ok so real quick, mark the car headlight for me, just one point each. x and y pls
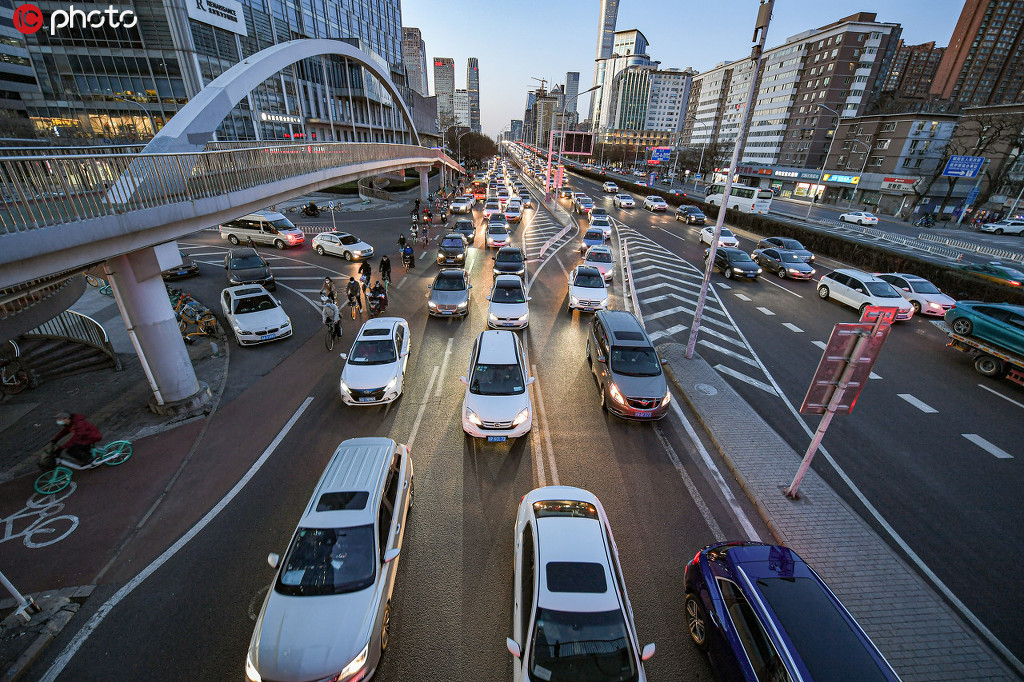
(521, 417)
(667, 398)
(473, 419)
(431, 305)
(604, 301)
(459, 256)
(933, 304)
(573, 300)
(759, 271)
(463, 304)
(524, 317)
(616, 396)
(492, 317)
(250, 669)
(344, 386)
(354, 666)
(239, 330)
(391, 384)
(234, 281)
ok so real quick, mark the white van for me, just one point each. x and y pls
(263, 227)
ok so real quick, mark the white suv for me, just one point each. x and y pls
(571, 617)
(859, 289)
(610, 187)
(497, 403)
(328, 612)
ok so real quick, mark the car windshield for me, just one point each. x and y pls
(496, 228)
(373, 352)
(463, 225)
(247, 262)
(451, 243)
(881, 289)
(738, 257)
(253, 304)
(328, 561)
(497, 380)
(581, 647)
(589, 280)
(508, 294)
(624, 196)
(599, 257)
(450, 283)
(491, 204)
(635, 362)
(789, 257)
(282, 224)
(509, 257)
(726, 232)
(349, 239)
(923, 286)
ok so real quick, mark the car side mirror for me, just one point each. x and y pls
(663, 361)
(529, 298)
(470, 286)
(600, 358)
(273, 559)
(513, 647)
(530, 380)
(464, 381)
(647, 652)
(343, 356)
(391, 555)
(860, 291)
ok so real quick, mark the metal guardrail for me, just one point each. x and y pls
(969, 246)
(17, 299)
(41, 191)
(627, 269)
(908, 242)
(73, 326)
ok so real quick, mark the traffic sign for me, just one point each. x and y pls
(972, 196)
(651, 178)
(837, 358)
(963, 166)
(330, 205)
(661, 154)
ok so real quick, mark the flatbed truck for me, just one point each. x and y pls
(989, 359)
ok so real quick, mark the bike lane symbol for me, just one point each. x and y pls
(49, 525)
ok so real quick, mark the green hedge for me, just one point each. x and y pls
(868, 257)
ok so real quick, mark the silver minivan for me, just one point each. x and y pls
(626, 367)
(263, 227)
(328, 612)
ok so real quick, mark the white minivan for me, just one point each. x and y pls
(263, 227)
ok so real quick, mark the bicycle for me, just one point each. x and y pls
(352, 306)
(95, 283)
(14, 378)
(59, 477)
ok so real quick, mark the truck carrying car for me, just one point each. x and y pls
(989, 359)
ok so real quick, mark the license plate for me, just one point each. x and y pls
(366, 399)
(643, 414)
(447, 312)
(497, 439)
(182, 272)
(267, 336)
(508, 324)
(588, 310)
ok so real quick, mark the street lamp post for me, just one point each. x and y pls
(867, 155)
(810, 203)
(561, 141)
(152, 124)
(702, 148)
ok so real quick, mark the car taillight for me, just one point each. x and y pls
(696, 557)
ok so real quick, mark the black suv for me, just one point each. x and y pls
(466, 228)
(734, 263)
(510, 260)
(691, 215)
(452, 250)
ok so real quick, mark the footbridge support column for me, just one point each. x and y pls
(149, 318)
(424, 187)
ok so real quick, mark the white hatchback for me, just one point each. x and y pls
(726, 238)
(497, 404)
(926, 298)
(509, 307)
(859, 289)
(571, 616)
(374, 372)
(254, 315)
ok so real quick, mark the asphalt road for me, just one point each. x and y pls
(910, 447)
(193, 617)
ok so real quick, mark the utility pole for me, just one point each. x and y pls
(764, 18)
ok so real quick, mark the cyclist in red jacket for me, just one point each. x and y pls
(75, 438)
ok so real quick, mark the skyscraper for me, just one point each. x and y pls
(462, 104)
(572, 90)
(473, 88)
(630, 50)
(444, 88)
(984, 62)
(605, 38)
(913, 69)
(414, 56)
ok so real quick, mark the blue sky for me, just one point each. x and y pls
(547, 38)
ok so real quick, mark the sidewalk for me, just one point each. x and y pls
(921, 636)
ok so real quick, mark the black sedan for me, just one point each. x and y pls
(691, 215)
(466, 229)
(188, 268)
(789, 245)
(734, 263)
(246, 266)
(783, 263)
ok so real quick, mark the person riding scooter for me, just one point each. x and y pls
(311, 210)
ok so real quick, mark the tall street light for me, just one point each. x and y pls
(144, 110)
(561, 140)
(867, 155)
(810, 203)
(702, 148)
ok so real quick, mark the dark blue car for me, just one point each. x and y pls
(761, 613)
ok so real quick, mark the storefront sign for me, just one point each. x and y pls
(899, 184)
(280, 118)
(846, 179)
(225, 14)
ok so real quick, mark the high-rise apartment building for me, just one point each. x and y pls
(984, 62)
(414, 56)
(912, 71)
(629, 49)
(572, 90)
(605, 39)
(444, 88)
(515, 130)
(666, 103)
(462, 110)
(473, 87)
(120, 83)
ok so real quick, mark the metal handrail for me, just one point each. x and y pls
(74, 326)
(41, 191)
(20, 298)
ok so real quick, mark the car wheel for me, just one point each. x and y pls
(696, 621)
(999, 230)
(728, 273)
(320, 250)
(348, 255)
(963, 326)
(916, 306)
(863, 307)
(279, 244)
(823, 293)
(989, 366)
(781, 272)
(604, 399)
(233, 239)
(589, 361)
(385, 627)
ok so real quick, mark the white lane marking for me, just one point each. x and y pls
(745, 379)
(820, 344)
(206, 253)
(723, 285)
(776, 284)
(295, 267)
(742, 297)
(765, 311)
(994, 450)
(748, 528)
(698, 499)
(792, 327)
(315, 305)
(544, 427)
(422, 255)
(444, 367)
(873, 376)
(924, 407)
(400, 283)
(296, 278)
(720, 335)
(538, 453)
(78, 640)
(1001, 395)
(667, 312)
(726, 351)
(423, 407)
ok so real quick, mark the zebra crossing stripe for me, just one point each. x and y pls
(730, 353)
(745, 379)
(671, 331)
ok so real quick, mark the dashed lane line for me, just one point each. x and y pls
(873, 376)
(792, 327)
(742, 297)
(726, 351)
(988, 447)
(994, 392)
(766, 311)
(698, 499)
(921, 405)
(444, 366)
(820, 344)
(546, 432)
(423, 408)
(776, 284)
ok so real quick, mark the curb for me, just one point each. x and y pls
(59, 607)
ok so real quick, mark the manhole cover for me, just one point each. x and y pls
(706, 389)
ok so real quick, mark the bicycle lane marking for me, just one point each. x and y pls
(46, 508)
(97, 618)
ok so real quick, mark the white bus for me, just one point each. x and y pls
(741, 197)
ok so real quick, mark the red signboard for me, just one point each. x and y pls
(837, 358)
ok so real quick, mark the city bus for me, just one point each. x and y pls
(741, 198)
(479, 189)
